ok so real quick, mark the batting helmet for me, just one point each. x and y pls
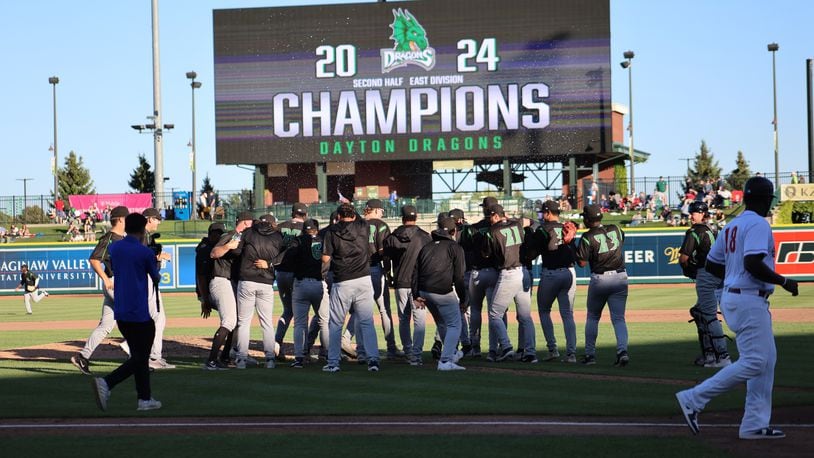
(758, 187)
(699, 207)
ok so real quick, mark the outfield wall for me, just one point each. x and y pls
(650, 256)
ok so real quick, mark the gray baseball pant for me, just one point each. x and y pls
(356, 293)
(559, 284)
(707, 288)
(37, 295)
(449, 311)
(510, 286)
(481, 284)
(285, 286)
(610, 288)
(223, 291)
(159, 316)
(381, 294)
(106, 324)
(406, 312)
(308, 293)
(250, 296)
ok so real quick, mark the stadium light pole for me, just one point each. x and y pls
(628, 64)
(773, 48)
(53, 81)
(25, 196)
(194, 85)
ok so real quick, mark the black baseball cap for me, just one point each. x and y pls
(268, 218)
(215, 228)
(447, 223)
(374, 203)
(488, 202)
(299, 208)
(310, 224)
(152, 213)
(245, 216)
(119, 212)
(456, 213)
(408, 211)
(495, 209)
(551, 206)
(592, 213)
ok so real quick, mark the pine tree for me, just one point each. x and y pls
(706, 167)
(738, 177)
(142, 179)
(207, 185)
(74, 178)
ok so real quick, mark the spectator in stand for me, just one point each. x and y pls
(794, 179)
(604, 203)
(687, 185)
(801, 178)
(24, 232)
(59, 205)
(661, 190)
(726, 197)
(593, 193)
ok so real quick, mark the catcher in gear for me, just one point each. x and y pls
(31, 282)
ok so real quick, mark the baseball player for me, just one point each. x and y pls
(693, 255)
(558, 279)
(402, 248)
(460, 223)
(100, 263)
(483, 277)
(503, 243)
(347, 250)
(261, 247)
(157, 361)
(285, 273)
(223, 290)
(310, 289)
(438, 268)
(743, 255)
(31, 283)
(601, 247)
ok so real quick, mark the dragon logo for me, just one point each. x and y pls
(411, 45)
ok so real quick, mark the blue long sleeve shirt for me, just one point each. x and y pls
(132, 262)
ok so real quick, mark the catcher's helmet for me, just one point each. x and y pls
(699, 207)
(758, 187)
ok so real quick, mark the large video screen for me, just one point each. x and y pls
(419, 80)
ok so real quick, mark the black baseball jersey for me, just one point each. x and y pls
(698, 241)
(260, 242)
(346, 242)
(601, 247)
(28, 280)
(289, 230)
(100, 252)
(439, 267)
(529, 250)
(473, 240)
(555, 253)
(503, 243)
(378, 232)
(228, 265)
(402, 248)
(305, 254)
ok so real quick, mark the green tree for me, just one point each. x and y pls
(706, 167)
(620, 178)
(33, 215)
(207, 185)
(74, 178)
(142, 179)
(738, 177)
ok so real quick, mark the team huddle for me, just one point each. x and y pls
(344, 272)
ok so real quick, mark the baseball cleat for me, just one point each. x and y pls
(690, 414)
(765, 433)
(297, 364)
(491, 356)
(395, 355)
(160, 364)
(330, 368)
(149, 404)
(530, 359)
(240, 363)
(588, 360)
(101, 392)
(416, 361)
(449, 366)
(723, 361)
(622, 359)
(457, 356)
(270, 363)
(507, 353)
(216, 366)
(81, 363)
(373, 366)
(571, 358)
(552, 355)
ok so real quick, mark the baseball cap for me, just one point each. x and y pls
(374, 203)
(592, 212)
(488, 202)
(152, 213)
(495, 209)
(216, 227)
(299, 209)
(408, 211)
(456, 213)
(245, 216)
(119, 212)
(551, 206)
(447, 223)
(268, 218)
(309, 225)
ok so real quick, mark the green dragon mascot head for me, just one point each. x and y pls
(407, 32)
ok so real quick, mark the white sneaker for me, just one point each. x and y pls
(723, 361)
(101, 391)
(450, 366)
(125, 347)
(457, 356)
(150, 404)
(159, 364)
(240, 363)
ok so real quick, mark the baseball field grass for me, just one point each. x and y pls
(662, 347)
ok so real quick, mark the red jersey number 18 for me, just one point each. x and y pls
(729, 238)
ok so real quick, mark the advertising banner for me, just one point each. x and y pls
(133, 202)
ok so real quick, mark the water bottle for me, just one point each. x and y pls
(236, 237)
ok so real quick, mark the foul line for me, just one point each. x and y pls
(370, 423)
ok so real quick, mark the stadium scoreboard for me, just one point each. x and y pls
(419, 80)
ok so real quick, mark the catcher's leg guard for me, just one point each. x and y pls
(704, 338)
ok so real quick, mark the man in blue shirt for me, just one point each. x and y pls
(132, 262)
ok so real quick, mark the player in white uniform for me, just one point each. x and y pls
(743, 255)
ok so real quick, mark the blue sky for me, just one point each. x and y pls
(701, 71)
